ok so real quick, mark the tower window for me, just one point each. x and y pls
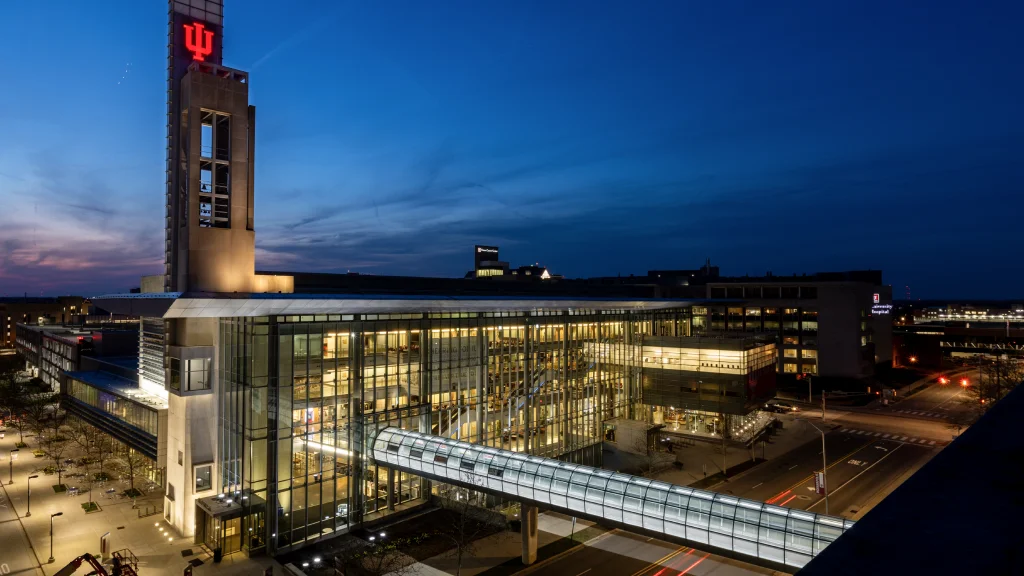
(214, 170)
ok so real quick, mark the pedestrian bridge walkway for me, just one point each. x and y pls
(749, 530)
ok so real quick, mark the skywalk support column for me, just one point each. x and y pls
(529, 531)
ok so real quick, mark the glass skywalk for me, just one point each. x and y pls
(739, 527)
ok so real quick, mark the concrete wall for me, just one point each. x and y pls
(152, 284)
(218, 259)
(192, 427)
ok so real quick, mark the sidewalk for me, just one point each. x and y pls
(695, 458)
(75, 532)
(497, 549)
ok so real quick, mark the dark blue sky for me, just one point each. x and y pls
(595, 138)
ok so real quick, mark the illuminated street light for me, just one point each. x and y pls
(51, 533)
(28, 500)
(965, 382)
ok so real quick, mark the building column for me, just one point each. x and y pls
(391, 490)
(528, 530)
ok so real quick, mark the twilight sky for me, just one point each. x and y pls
(593, 137)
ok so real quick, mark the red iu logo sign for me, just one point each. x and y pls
(199, 41)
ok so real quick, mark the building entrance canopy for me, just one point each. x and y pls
(750, 530)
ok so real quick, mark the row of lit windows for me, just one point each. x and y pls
(794, 368)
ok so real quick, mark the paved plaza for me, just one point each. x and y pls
(26, 539)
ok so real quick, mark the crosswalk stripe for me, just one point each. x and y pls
(931, 442)
(878, 434)
(861, 432)
(903, 439)
(887, 435)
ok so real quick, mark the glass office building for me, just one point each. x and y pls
(296, 392)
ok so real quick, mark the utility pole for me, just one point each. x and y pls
(824, 464)
(810, 395)
(823, 406)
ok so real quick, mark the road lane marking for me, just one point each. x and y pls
(801, 483)
(931, 442)
(584, 572)
(694, 565)
(759, 483)
(683, 558)
(793, 466)
(658, 562)
(841, 486)
(887, 435)
(903, 439)
(877, 434)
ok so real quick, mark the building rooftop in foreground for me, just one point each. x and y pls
(959, 514)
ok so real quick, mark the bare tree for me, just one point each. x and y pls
(997, 378)
(132, 463)
(466, 518)
(378, 558)
(104, 448)
(55, 445)
(43, 413)
(14, 400)
(89, 439)
(648, 458)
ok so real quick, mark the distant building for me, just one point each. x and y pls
(932, 333)
(52, 350)
(26, 310)
(833, 324)
(487, 265)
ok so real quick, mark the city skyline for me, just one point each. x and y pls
(822, 139)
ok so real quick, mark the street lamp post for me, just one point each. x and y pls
(824, 464)
(28, 497)
(51, 533)
(14, 456)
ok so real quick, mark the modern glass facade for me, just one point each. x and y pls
(130, 412)
(297, 391)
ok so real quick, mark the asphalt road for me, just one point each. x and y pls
(626, 554)
(937, 401)
(858, 468)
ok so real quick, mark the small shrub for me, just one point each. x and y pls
(133, 493)
(90, 507)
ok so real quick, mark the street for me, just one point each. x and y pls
(940, 401)
(859, 466)
(621, 552)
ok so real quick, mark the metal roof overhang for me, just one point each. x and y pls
(175, 305)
